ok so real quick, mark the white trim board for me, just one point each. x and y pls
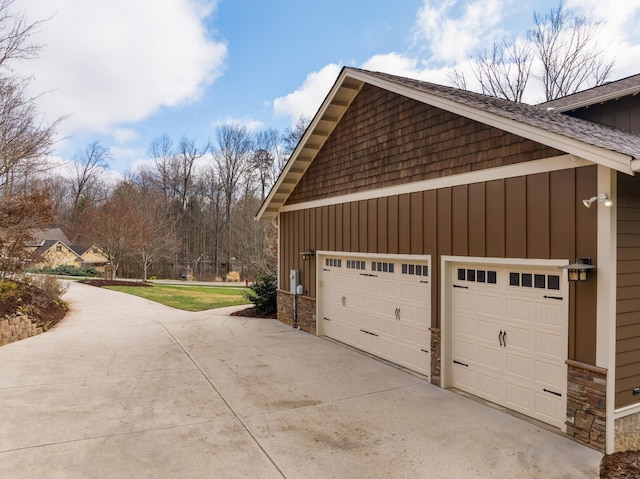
(545, 165)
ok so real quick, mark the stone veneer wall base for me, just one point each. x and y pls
(305, 311)
(586, 404)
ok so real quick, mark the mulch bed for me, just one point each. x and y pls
(107, 282)
(621, 465)
(252, 313)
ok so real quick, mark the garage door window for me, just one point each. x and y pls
(415, 269)
(356, 264)
(477, 275)
(539, 281)
(382, 267)
(334, 262)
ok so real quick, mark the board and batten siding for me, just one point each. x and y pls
(622, 113)
(628, 291)
(537, 216)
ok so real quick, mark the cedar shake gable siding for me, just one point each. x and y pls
(386, 139)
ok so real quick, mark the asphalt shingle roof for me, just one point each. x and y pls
(621, 141)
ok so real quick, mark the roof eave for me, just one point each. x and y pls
(320, 128)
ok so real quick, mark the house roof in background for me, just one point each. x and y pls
(599, 94)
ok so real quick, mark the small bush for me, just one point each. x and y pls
(233, 276)
(50, 289)
(67, 270)
(263, 293)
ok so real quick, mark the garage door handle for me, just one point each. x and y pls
(462, 287)
(552, 392)
(504, 338)
(559, 298)
(500, 337)
(344, 301)
(461, 364)
(398, 314)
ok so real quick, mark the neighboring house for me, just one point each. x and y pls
(54, 249)
(433, 227)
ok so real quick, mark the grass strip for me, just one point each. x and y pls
(188, 298)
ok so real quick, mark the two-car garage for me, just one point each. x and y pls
(504, 327)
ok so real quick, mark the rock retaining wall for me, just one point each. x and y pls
(16, 328)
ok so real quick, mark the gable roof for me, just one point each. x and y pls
(50, 234)
(48, 244)
(594, 142)
(599, 94)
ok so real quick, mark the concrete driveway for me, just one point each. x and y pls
(125, 388)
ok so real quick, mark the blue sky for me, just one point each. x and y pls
(126, 71)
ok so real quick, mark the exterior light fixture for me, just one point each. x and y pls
(308, 254)
(602, 198)
(578, 270)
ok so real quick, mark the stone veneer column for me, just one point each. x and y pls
(435, 356)
(586, 404)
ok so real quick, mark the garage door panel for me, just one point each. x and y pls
(519, 398)
(550, 374)
(465, 301)
(487, 331)
(489, 386)
(519, 339)
(491, 306)
(549, 408)
(490, 358)
(465, 351)
(549, 344)
(466, 326)
(465, 377)
(550, 315)
(520, 310)
(520, 366)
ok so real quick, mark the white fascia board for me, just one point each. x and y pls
(608, 158)
(301, 145)
(599, 99)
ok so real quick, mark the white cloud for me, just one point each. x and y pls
(452, 29)
(308, 98)
(248, 123)
(402, 65)
(123, 135)
(119, 60)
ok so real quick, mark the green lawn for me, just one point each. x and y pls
(188, 298)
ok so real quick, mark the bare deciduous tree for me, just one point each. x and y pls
(565, 43)
(234, 150)
(561, 52)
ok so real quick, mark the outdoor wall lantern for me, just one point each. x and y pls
(578, 270)
(307, 254)
(602, 198)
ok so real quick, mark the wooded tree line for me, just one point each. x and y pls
(190, 209)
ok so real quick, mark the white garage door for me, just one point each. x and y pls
(509, 333)
(382, 306)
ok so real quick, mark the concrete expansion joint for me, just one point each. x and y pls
(224, 400)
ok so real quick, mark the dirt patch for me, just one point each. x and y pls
(252, 313)
(621, 465)
(108, 282)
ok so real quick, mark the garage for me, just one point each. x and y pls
(509, 337)
(381, 305)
